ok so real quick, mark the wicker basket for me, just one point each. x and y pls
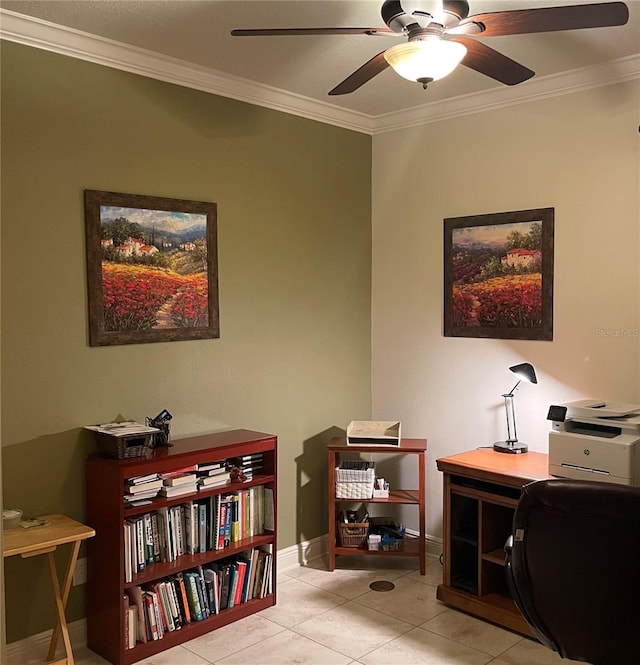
(123, 447)
(355, 483)
(353, 534)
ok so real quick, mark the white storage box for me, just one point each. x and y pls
(375, 433)
(354, 483)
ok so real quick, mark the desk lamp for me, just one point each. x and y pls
(524, 372)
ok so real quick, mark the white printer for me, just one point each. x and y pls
(595, 440)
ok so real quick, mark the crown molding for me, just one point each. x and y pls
(62, 40)
(543, 87)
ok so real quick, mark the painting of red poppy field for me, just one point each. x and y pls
(152, 269)
(499, 275)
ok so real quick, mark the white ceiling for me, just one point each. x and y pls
(197, 33)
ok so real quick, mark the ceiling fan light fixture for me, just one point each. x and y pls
(427, 59)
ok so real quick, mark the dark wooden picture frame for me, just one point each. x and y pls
(152, 268)
(498, 275)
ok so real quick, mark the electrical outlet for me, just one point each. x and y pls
(80, 573)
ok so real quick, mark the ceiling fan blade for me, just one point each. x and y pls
(551, 19)
(487, 61)
(280, 32)
(365, 73)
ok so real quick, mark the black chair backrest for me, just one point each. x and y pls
(573, 567)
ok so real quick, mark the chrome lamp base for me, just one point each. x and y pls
(513, 447)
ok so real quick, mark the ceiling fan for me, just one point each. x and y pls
(438, 40)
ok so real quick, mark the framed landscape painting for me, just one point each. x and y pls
(152, 269)
(498, 275)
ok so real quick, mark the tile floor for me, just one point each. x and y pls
(325, 618)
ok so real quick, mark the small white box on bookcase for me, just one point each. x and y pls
(373, 433)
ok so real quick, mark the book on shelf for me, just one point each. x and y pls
(136, 600)
(207, 466)
(221, 470)
(132, 627)
(269, 516)
(136, 480)
(214, 481)
(144, 487)
(128, 565)
(130, 502)
(225, 580)
(241, 570)
(179, 479)
(183, 601)
(179, 490)
(137, 543)
(202, 592)
(125, 621)
(150, 617)
(192, 596)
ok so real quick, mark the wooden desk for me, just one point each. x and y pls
(481, 491)
(61, 530)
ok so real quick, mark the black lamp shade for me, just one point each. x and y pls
(525, 372)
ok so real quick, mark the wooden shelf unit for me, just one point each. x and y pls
(414, 547)
(106, 513)
(481, 491)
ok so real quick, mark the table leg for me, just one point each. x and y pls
(61, 603)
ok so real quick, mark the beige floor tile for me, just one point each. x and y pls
(298, 602)
(285, 648)
(473, 632)
(234, 637)
(420, 647)
(529, 652)
(174, 656)
(352, 629)
(408, 601)
(347, 583)
(432, 574)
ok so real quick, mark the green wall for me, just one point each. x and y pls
(294, 244)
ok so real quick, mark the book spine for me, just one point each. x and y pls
(155, 537)
(202, 527)
(193, 597)
(234, 532)
(152, 624)
(174, 606)
(148, 539)
(202, 593)
(183, 599)
(140, 544)
(125, 618)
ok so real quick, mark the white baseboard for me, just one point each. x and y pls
(34, 649)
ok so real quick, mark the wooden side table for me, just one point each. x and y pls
(60, 530)
(415, 547)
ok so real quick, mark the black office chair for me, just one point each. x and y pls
(573, 568)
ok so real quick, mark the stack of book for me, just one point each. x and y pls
(139, 490)
(178, 483)
(213, 474)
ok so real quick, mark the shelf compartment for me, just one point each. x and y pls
(197, 628)
(395, 496)
(156, 571)
(230, 488)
